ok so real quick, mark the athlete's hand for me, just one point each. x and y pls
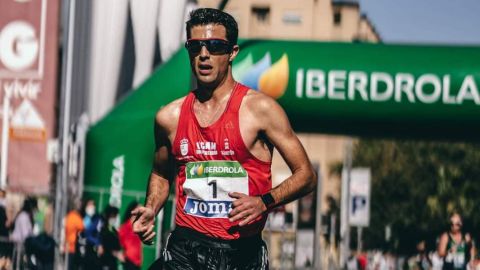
(143, 224)
(246, 208)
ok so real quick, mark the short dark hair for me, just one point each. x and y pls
(110, 211)
(204, 16)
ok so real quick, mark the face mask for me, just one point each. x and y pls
(2, 202)
(90, 210)
(114, 222)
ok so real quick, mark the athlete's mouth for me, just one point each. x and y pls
(204, 67)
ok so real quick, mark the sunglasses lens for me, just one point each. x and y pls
(194, 46)
(217, 46)
(214, 46)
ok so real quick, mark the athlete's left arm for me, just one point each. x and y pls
(276, 127)
(473, 248)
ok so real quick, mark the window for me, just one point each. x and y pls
(290, 17)
(261, 14)
(337, 17)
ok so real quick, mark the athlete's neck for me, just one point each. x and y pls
(205, 93)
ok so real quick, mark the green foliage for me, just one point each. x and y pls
(415, 185)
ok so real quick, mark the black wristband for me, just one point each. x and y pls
(268, 200)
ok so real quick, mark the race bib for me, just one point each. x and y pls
(207, 185)
(459, 260)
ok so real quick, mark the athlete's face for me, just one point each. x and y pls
(212, 66)
(455, 223)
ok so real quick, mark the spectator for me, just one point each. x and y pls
(112, 252)
(89, 246)
(23, 224)
(130, 241)
(352, 262)
(40, 252)
(5, 246)
(422, 260)
(73, 226)
(88, 212)
(362, 261)
(23, 228)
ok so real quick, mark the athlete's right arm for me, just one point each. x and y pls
(158, 184)
(442, 245)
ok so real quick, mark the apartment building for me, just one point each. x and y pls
(323, 20)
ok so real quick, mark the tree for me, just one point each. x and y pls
(415, 185)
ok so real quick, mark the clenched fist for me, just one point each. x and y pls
(144, 223)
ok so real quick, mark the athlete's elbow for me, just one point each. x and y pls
(311, 180)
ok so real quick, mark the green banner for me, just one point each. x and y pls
(374, 89)
(368, 89)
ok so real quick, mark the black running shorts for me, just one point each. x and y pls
(187, 249)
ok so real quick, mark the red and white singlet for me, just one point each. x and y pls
(211, 162)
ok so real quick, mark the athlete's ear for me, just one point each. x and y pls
(234, 53)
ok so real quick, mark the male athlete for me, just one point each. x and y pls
(217, 144)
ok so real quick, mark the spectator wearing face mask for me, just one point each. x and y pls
(89, 246)
(88, 212)
(112, 251)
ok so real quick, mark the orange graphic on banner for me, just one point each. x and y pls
(27, 124)
(28, 134)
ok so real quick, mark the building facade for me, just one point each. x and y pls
(322, 20)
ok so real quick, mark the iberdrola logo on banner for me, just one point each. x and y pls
(271, 79)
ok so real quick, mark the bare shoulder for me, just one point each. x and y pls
(168, 115)
(444, 236)
(260, 103)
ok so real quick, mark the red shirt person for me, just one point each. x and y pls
(130, 241)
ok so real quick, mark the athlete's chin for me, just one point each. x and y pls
(207, 80)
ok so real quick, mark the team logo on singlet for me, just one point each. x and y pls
(184, 147)
(226, 149)
(206, 148)
(207, 184)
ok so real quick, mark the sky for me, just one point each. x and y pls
(425, 21)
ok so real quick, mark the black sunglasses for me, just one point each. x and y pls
(214, 46)
(456, 223)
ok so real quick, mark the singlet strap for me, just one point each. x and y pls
(185, 117)
(187, 104)
(451, 240)
(236, 100)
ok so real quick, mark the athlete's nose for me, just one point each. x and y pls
(204, 52)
